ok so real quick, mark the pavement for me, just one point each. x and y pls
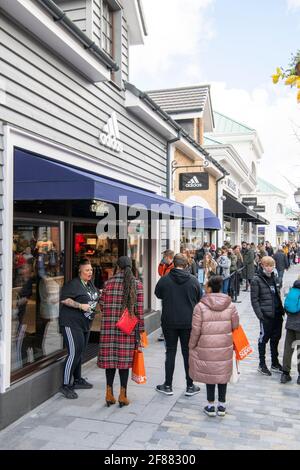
(262, 413)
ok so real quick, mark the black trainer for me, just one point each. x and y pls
(298, 380)
(221, 411)
(165, 389)
(285, 378)
(81, 384)
(161, 337)
(264, 370)
(277, 368)
(210, 411)
(68, 392)
(191, 391)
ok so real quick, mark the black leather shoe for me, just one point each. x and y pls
(68, 392)
(81, 384)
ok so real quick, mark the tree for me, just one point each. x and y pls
(291, 75)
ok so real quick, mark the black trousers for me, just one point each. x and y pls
(76, 342)
(292, 340)
(171, 340)
(270, 330)
(211, 389)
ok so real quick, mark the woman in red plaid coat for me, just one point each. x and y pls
(116, 348)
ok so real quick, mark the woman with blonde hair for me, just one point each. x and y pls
(192, 266)
(210, 267)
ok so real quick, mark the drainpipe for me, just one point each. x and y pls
(217, 200)
(169, 176)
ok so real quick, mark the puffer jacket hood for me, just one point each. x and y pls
(180, 276)
(216, 302)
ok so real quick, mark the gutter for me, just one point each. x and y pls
(60, 16)
(166, 117)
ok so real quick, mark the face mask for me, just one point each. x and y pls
(267, 273)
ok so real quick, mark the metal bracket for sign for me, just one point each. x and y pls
(174, 167)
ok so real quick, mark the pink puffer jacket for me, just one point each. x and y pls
(211, 346)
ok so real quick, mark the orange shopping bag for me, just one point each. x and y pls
(241, 344)
(138, 368)
(144, 340)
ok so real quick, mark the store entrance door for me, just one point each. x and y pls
(103, 252)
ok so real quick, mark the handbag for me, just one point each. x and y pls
(138, 373)
(241, 344)
(127, 322)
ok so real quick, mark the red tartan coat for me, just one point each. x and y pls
(116, 348)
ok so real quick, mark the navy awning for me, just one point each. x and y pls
(211, 222)
(39, 178)
(281, 228)
(292, 229)
(261, 230)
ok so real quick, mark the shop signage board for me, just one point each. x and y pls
(249, 201)
(193, 181)
(259, 209)
(110, 134)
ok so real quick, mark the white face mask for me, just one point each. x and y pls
(268, 274)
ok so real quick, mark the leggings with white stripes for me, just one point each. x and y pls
(76, 342)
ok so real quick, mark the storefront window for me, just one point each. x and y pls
(137, 249)
(229, 235)
(38, 275)
(194, 239)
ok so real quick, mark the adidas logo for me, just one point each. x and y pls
(110, 135)
(194, 183)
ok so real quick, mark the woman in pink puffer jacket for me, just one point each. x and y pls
(211, 345)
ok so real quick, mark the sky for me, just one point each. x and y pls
(235, 46)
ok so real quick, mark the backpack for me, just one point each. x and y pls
(292, 301)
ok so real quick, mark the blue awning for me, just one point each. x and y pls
(38, 178)
(211, 222)
(292, 229)
(281, 228)
(261, 230)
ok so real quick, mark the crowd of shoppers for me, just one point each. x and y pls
(196, 290)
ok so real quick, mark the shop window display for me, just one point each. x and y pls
(38, 275)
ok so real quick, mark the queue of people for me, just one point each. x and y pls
(196, 310)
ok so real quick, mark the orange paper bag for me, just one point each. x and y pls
(144, 340)
(241, 344)
(138, 368)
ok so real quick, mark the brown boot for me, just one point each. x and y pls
(123, 400)
(110, 399)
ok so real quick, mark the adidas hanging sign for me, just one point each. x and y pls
(193, 182)
(110, 135)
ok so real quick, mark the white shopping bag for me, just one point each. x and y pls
(235, 377)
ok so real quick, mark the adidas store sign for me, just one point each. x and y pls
(110, 135)
(194, 182)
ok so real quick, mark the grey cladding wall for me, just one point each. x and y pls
(48, 98)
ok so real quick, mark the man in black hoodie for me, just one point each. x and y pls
(180, 292)
(267, 305)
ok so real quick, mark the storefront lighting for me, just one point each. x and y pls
(99, 207)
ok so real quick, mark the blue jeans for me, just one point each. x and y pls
(226, 285)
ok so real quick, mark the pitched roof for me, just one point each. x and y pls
(179, 100)
(226, 125)
(265, 187)
(209, 141)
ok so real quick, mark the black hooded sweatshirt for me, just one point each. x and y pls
(180, 292)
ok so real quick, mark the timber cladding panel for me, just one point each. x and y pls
(181, 196)
(47, 97)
